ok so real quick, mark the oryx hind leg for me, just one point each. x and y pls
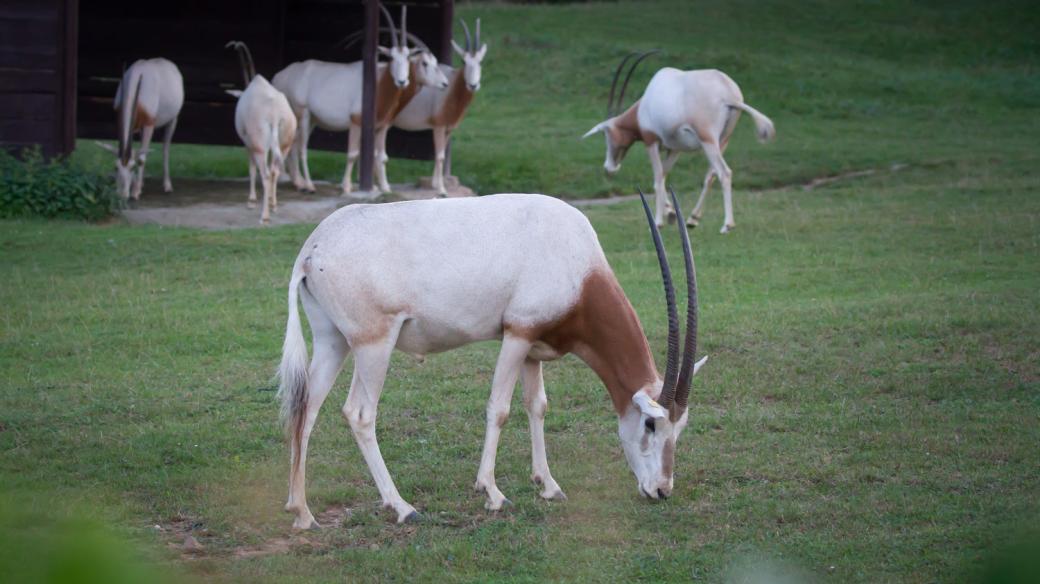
(330, 349)
(536, 403)
(371, 361)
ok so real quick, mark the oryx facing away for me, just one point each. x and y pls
(681, 111)
(526, 269)
(266, 124)
(149, 96)
(441, 110)
(328, 96)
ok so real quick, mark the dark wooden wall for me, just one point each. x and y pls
(38, 74)
(192, 34)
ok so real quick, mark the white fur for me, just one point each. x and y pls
(686, 111)
(266, 124)
(161, 97)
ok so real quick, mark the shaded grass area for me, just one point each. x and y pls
(849, 85)
(870, 411)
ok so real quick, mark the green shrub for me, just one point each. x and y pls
(56, 188)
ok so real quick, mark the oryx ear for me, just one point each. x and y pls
(384, 51)
(457, 48)
(600, 127)
(108, 147)
(233, 92)
(483, 51)
(415, 51)
(697, 365)
(648, 406)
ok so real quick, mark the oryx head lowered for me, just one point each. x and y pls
(471, 57)
(650, 429)
(126, 159)
(619, 138)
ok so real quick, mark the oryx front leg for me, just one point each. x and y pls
(440, 145)
(722, 170)
(353, 151)
(380, 159)
(330, 349)
(167, 138)
(142, 158)
(663, 208)
(252, 182)
(510, 359)
(535, 403)
(698, 209)
(304, 131)
(370, 364)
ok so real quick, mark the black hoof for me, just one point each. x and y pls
(506, 503)
(412, 517)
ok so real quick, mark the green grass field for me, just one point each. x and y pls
(870, 411)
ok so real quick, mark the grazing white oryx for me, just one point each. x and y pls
(150, 96)
(526, 269)
(442, 110)
(329, 95)
(266, 124)
(680, 111)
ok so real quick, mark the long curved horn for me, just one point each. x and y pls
(353, 38)
(245, 60)
(476, 38)
(671, 369)
(469, 41)
(613, 84)
(631, 70)
(404, 25)
(682, 385)
(390, 21)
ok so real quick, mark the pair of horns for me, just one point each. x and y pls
(128, 118)
(393, 30)
(245, 59)
(353, 38)
(614, 109)
(471, 46)
(676, 387)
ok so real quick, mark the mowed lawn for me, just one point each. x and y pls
(870, 411)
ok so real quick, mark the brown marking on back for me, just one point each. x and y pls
(603, 330)
(455, 103)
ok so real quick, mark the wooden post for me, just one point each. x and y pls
(446, 56)
(368, 97)
(69, 61)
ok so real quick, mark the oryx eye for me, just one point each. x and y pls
(651, 426)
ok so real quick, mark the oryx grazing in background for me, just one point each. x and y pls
(328, 95)
(149, 96)
(526, 269)
(680, 111)
(441, 110)
(266, 124)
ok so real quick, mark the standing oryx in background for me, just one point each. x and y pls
(266, 124)
(150, 96)
(369, 287)
(681, 111)
(329, 95)
(442, 110)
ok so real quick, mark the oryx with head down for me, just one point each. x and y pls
(680, 111)
(328, 96)
(526, 269)
(149, 96)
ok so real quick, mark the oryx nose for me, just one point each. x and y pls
(663, 492)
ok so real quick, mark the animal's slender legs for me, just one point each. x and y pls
(252, 182)
(306, 129)
(353, 151)
(722, 170)
(167, 138)
(510, 359)
(275, 172)
(535, 403)
(654, 152)
(695, 215)
(330, 349)
(142, 157)
(260, 160)
(380, 159)
(440, 142)
(370, 364)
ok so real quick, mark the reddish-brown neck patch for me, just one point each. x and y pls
(455, 103)
(407, 93)
(388, 95)
(625, 130)
(604, 331)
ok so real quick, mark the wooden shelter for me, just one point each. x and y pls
(61, 60)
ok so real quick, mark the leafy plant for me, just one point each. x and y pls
(55, 188)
